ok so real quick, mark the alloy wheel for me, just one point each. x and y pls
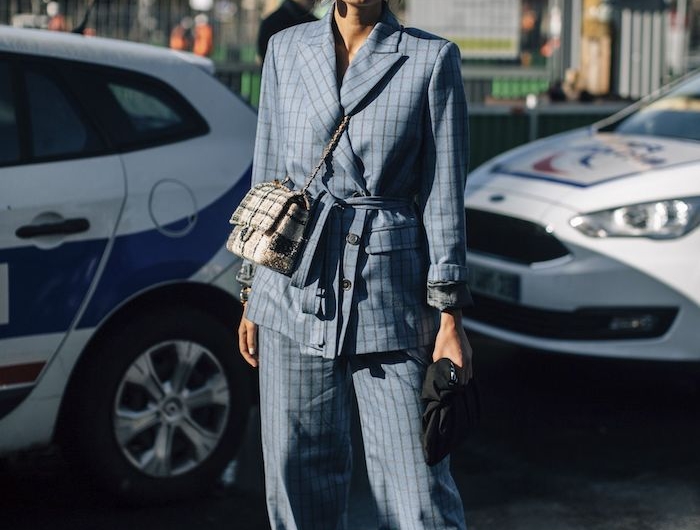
(171, 408)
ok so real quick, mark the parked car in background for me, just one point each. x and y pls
(119, 166)
(588, 242)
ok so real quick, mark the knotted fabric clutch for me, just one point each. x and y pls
(452, 410)
(270, 222)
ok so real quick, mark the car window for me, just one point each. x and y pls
(135, 110)
(675, 115)
(9, 134)
(57, 129)
(147, 112)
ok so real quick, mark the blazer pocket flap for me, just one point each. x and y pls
(392, 238)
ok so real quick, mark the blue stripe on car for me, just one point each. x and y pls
(47, 286)
(140, 260)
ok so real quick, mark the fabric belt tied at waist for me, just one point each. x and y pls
(314, 249)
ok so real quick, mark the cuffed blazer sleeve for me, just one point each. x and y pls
(445, 159)
(268, 163)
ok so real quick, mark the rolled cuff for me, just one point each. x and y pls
(449, 295)
(447, 272)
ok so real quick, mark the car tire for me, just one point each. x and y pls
(161, 407)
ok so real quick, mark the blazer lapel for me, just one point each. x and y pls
(318, 75)
(372, 63)
(327, 104)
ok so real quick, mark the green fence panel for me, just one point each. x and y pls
(496, 129)
(243, 79)
(555, 123)
(491, 134)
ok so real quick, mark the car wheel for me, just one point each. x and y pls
(162, 407)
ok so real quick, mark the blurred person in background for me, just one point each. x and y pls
(57, 22)
(203, 36)
(290, 13)
(181, 37)
(529, 33)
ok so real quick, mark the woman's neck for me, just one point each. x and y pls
(354, 23)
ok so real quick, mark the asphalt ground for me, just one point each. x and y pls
(566, 443)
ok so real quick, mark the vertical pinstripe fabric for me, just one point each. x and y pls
(305, 404)
(304, 413)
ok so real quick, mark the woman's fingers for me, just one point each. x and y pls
(247, 341)
(452, 342)
(252, 338)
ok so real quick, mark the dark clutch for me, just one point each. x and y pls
(452, 410)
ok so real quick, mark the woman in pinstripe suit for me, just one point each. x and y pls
(379, 291)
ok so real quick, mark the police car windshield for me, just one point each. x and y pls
(675, 115)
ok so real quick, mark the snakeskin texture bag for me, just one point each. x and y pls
(270, 222)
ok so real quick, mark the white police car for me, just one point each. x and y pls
(588, 242)
(120, 164)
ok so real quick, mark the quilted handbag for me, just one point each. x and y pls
(269, 224)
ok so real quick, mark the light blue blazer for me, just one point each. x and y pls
(387, 245)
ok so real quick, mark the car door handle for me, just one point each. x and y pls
(67, 226)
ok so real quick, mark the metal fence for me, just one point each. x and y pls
(638, 56)
(640, 67)
(122, 19)
(235, 23)
(242, 78)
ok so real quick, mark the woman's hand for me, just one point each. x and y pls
(248, 340)
(451, 342)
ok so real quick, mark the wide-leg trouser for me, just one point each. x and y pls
(305, 412)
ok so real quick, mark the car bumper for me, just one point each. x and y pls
(595, 300)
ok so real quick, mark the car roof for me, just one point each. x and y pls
(98, 50)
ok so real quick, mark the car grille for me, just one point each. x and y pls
(510, 238)
(581, 324)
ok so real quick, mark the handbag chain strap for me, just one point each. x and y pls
(326, 152)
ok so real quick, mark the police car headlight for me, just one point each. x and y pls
(656, 220)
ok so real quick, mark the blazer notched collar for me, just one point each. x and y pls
(373, 62)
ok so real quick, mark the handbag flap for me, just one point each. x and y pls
(263, 204)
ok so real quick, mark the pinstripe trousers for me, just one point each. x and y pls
(305, 409)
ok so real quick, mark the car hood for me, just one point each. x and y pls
(593, 158)
(561, 169)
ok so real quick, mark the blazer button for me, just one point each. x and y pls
(353, 239)
(346, 284)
